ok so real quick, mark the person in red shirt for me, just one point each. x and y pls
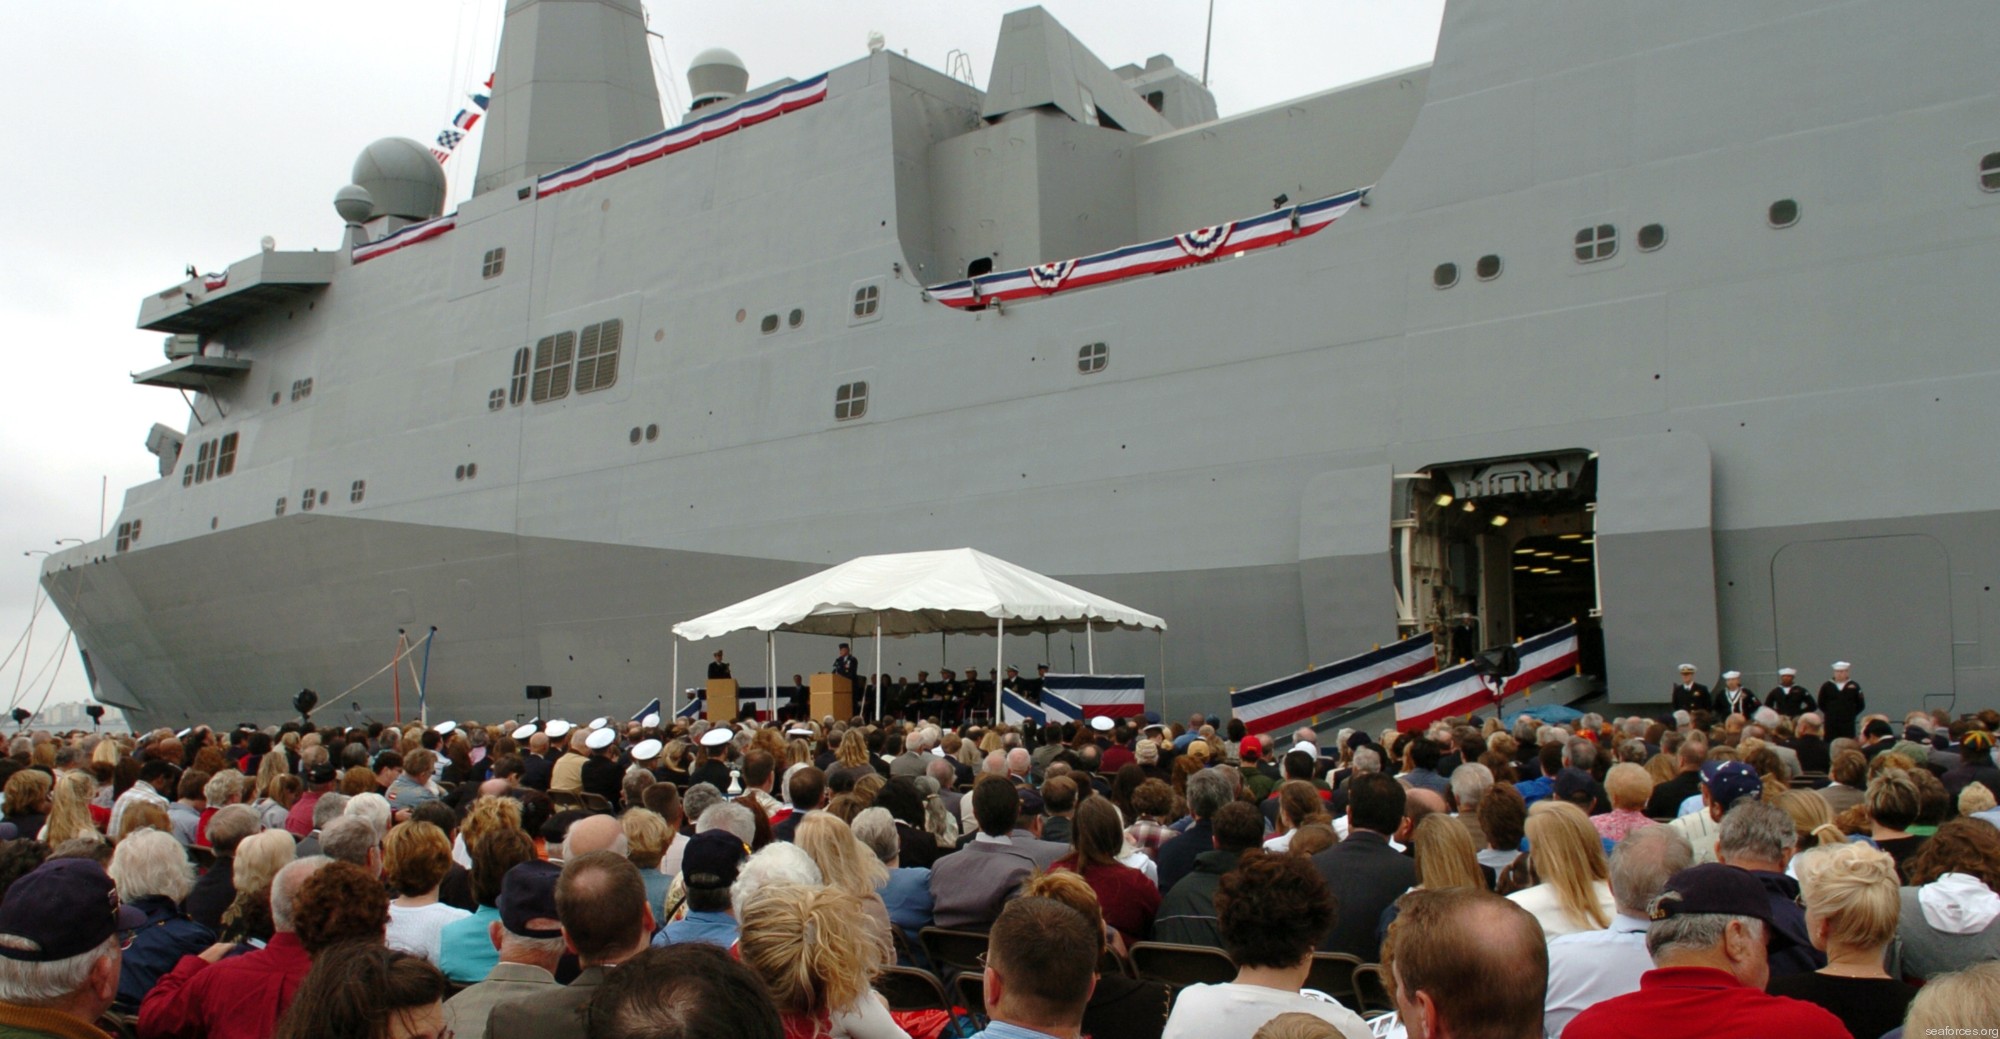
(1708, 939)
(1129, 900)
(315, 903)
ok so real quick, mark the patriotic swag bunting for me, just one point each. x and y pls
(1015, 709)
(651, 708)
(1181, 250)
(695, 708)
(1204, 242)
(1285, 701)
(1544, 657)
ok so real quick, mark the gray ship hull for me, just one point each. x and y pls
(1776, 432)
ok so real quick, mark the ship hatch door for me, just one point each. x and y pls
(1656, 559)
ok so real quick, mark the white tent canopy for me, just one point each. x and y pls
(913, 593)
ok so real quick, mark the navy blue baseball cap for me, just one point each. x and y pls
(67, 907)
(1729, 780)
(527, 894)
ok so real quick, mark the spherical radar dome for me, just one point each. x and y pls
(717, 75)
(402, 177)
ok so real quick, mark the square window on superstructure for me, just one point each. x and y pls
(850, 401)
(597, 356)
(494, 263)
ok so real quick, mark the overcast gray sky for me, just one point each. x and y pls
(145, 136)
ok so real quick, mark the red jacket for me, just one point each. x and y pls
(1129, 901)
(241, 997)
(1701, 1003)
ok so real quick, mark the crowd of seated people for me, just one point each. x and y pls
(1680, 875)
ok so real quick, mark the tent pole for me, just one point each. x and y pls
(674, 693)
(1163, 673)
(878, 666)
(999, 661)
(771, 682)
(1090, 646)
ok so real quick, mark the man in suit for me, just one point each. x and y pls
(1207, 791)
(1788, 697)
(606, 919)
(1841, 701)
(529, 937)
(718, 668)
(1732, 698)
(1810, 746)
(1364, 872)
(847, 666)
(971, 885)
(1690, 695)
(1665, 803)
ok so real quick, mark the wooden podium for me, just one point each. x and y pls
(721, 699)
(831, 694)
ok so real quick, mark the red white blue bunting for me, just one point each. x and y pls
(1182, 250)
(681, 138)
(410, 235)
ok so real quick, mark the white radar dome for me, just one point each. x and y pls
(402, 178)
(716, 75)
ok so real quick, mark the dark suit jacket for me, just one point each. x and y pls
(1175, 858)
(1366, 876)
(560, 1013)
(1686, 699)
(1667, 797)
(1813, 754)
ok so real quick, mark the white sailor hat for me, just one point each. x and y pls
(599, 723)
(525, 731)
(647, 750)
(445, 728)
(1732, 674)
(1788, 672)
(1309, 748)
(600, 739)
(715, 737)
(1687, 669)
(651, 719)
(558, 729)
(1103, 723)
(1841, 665)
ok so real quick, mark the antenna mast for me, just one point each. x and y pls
(1207, 41)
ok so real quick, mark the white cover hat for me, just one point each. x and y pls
(599, 723)
(647, 750)
(525, 731)
(1841, 665)
(600, 739)
(1103, 723)
(651, 719)
(1304, 746)
(1788, 672)
(558, 729)
(444, 728)
(1687, 667)
(715, 737)
(1732, 674)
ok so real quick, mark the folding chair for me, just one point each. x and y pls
(909, 988)
(1333, 974)
(1371, 989)
(958, 950)
(1181, 965)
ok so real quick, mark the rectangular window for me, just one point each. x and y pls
(124, 536)
(204, 462)
(552, 363)
(850, 401)
(225, 458)
(597, 356)
(493, 264)
(517, 386)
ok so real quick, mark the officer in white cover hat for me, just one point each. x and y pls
(1690, 695)
(602, 774)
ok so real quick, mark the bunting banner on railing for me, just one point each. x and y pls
(1113, 696)
(1453, 691)
(408, 236)
(1182, 250)
(1544, 657)
(1281, 702)
(685, 136)
(652, 708)
(1016, 709)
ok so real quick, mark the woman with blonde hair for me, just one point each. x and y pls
(819, 968)
(1568, 857)
(258, 859)
(850, 760)
(1893, 804)
(844, 862)
(1851, 910)
(1445, 856)
(1629, 786)
(1948, 1001)
(1812, 817)
(69, 809)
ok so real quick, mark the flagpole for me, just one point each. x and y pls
(878, 664)
(674, 693)
(999, 660)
